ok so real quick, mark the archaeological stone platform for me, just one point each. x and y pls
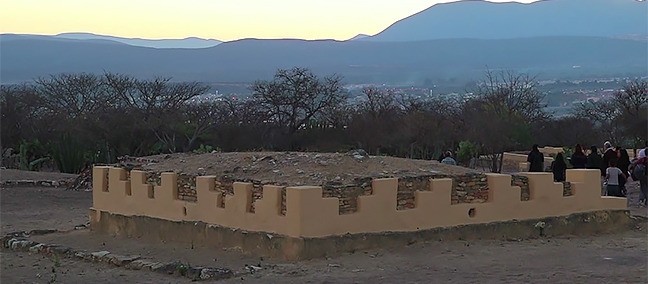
(127, 204)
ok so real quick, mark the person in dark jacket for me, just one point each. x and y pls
(623, 163)
(536, 160)
(558, 167)
(578, 159)
(623, 160)
(594, 160)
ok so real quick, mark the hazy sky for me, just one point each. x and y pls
(218, 19)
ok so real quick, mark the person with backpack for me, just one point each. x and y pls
(638, 172)
(536, 160)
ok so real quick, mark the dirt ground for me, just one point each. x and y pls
(29, 208)
(22, 267)
(9, 174)
(294, 168)
(620, 258)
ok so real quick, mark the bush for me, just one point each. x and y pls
(204, 149)
(69, 155)
(31, 155)
(466, 151)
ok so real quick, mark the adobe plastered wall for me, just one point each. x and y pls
(520, 160)
(551, 151)
(308, 214)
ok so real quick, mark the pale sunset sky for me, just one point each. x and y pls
(218, 19)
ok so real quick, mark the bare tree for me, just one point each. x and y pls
(75, 94)
(632, 104)
(603, 115)
(201, 118)
(507, 105)
(295, 96)
(622, 119)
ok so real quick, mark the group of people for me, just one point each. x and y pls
(615, 166)
(619, 170)
(614, 163)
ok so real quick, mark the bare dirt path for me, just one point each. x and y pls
(29, 208)
(10, 174)
(22, 267)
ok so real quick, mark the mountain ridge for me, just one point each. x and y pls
(489, 20)
(391, 56)
(184, 43)
(358, 61)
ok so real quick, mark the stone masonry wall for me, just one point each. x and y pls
(469, 188)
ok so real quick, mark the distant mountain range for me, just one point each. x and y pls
(456, 41)
(486, 20)
(190, 42)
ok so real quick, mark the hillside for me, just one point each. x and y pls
(24, 59)
(487, 20)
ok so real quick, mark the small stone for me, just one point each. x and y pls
(154, 266)
(215, 273)
(58, 249)
(82, 255)
(27, 244)
(37, 248)
(100, 254)
(193, 273)
(167, 268)
(141, 264)
(121, 260)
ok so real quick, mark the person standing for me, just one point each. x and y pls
(578, 159)
(623, 163)
(559, 167)
(642, 152)
(640, 172)
(536, 160)
(594, 160)
(608, 155)
(612, 178)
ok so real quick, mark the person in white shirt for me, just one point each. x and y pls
(612, 176)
